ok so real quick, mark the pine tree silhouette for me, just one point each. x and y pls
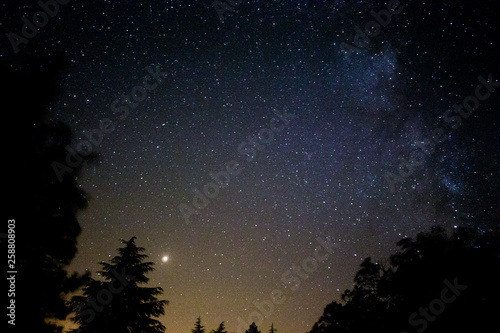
(198, 328)
(119, 304)
(253, 329)
(272, 329)
(220, 329)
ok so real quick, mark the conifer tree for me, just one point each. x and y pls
(119, 303)
(198, 328)
(220, 329)
(253, 329)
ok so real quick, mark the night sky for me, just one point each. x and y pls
(328, 136)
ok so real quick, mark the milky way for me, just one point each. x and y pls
(196, 101)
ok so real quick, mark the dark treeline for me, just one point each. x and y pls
(44, 209)
(437, 282)
(199, 328)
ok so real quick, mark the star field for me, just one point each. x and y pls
(354, 118)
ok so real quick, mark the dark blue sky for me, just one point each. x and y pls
(361, 121)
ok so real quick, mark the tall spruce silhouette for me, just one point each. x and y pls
(198, 328)
(120, 304)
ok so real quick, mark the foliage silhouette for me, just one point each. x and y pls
(253, 329)
(395, 298)
(220, 329)
(119, 304)
(198, 328)
(44, 208)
